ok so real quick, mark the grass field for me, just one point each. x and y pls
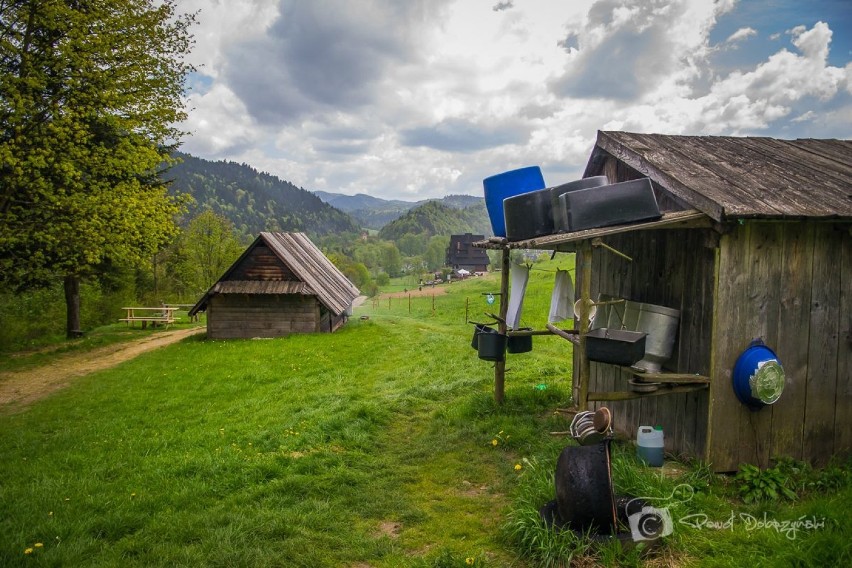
(379, 445)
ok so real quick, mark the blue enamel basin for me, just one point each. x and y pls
(758, 376)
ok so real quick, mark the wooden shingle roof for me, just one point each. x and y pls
(316, 274)
(730, 177)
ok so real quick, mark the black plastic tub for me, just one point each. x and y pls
(519, 343)
(480, 328)
(616, 346)
(560, 215)
(492, 346)
(528, 215)
(615, 204)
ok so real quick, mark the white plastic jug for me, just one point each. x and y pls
(650, 444)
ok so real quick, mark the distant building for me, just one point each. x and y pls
(461, 254)
(281, 284)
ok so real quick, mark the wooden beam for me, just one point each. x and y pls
(500, 366)
(585, 306)
(629, 395)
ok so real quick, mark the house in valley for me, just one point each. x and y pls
(462, 255)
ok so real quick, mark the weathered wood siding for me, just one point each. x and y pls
(261, 264)
(675, 269)
(790, 284)
(233, 316)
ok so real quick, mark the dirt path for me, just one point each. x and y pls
(19, 389)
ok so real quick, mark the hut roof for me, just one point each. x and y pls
(316, 273)
(730, 177)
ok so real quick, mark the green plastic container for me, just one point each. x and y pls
(649, 445)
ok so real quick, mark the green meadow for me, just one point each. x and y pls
(377, 446)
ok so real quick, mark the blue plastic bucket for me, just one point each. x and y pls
(500, 186)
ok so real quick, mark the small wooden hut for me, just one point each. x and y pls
(281, 284)
(755, 241)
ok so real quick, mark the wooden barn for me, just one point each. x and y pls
(755, 241)
(281, 284)
(461, 254)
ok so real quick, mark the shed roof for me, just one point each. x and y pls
(729, 177)
(316, 273)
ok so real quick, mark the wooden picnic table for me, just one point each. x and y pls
(186, 307)
(156, 315)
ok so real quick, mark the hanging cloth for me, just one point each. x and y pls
(520, 275)
(562, 299)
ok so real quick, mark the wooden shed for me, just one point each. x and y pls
(755, 241)
(281, 284)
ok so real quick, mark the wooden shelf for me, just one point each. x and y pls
(668, 378)
(628, 395)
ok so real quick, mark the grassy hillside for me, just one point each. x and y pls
(378, 446)
(375, 213)
(433, 218)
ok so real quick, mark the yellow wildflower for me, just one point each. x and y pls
(38, 545)
(28, 551)
(469, 560)
(518, 467)
(494, 442)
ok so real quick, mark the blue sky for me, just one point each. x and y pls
(424, 98)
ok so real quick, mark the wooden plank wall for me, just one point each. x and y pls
(232, 316)
(673, 268)
(789, 283)
(261, 264)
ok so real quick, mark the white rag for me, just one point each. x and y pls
(562, 299)
(520, 275)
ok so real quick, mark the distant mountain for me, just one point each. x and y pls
(375, 212)
(434, 218)
(252, 200)
(349, 203)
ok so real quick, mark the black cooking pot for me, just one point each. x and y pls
(584, 499)
(492, 346)
(528, 215)
(520, 343)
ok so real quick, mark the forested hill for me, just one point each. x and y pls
(375, 213)
(254, 201)
(434, 218)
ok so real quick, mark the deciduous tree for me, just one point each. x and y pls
(90, 93)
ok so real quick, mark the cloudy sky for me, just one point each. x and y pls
(408, 99)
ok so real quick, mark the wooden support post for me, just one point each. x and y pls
(500, 366)
(585, 370)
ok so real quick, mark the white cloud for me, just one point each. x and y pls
(741, 34)
(420, 99)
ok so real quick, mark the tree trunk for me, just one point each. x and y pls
(72, 306)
